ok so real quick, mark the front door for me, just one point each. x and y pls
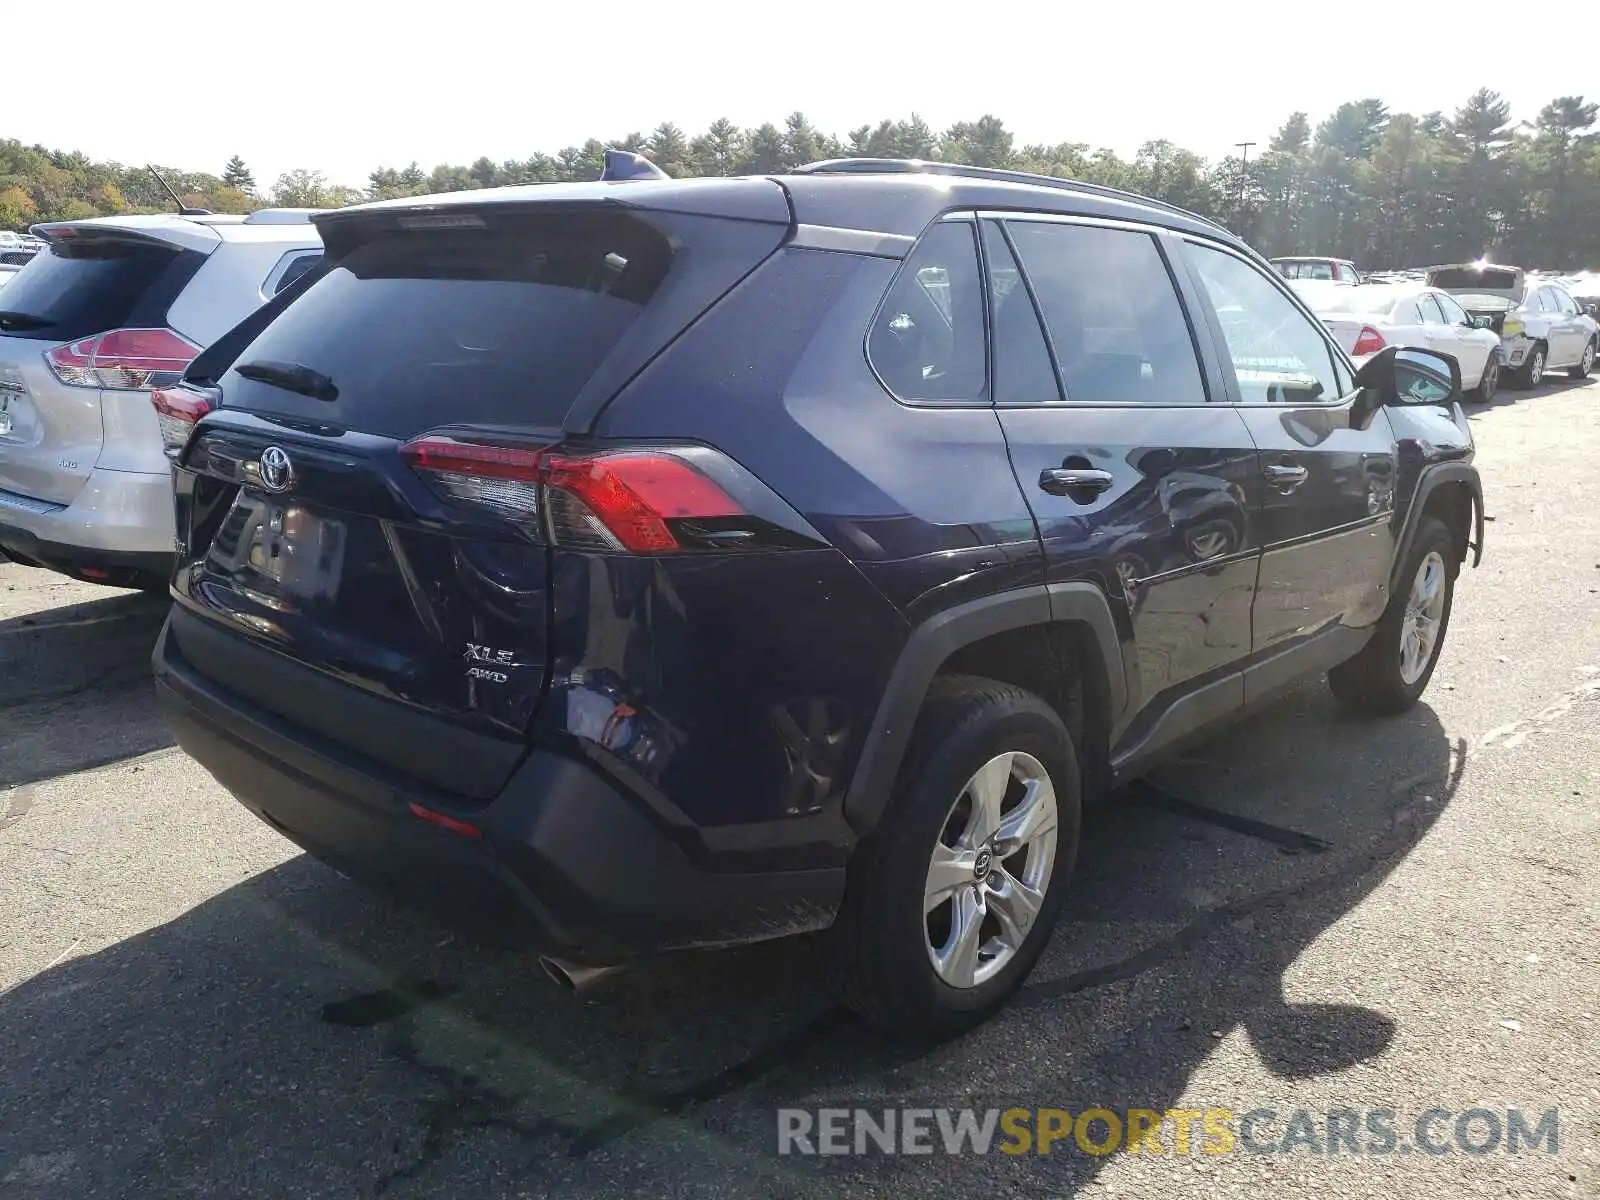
(1327, 501)
(1137, 482)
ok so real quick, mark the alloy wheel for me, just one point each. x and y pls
(1536, 368)
(1491, 379)
(1419, 631)
(1587, 365)
(990, 868)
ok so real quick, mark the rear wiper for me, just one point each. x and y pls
(291, 377)
(22, 320)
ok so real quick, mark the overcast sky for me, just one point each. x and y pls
(343, 87)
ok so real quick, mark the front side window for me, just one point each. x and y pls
(927, 342)
(1113, 317)
(1564, 302)
(1277, 354)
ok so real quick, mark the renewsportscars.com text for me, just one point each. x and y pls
(1175, 1131)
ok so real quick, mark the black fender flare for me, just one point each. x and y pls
(1433, 477)
(934, 641)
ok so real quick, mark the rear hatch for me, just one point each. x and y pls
(88, 284)
(363, 547)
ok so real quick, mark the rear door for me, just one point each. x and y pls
(87, 282)
(362, 505)
(1137, 482)
(1328, 497)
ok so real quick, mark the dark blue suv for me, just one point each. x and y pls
(666, 563)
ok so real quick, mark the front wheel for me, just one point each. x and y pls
(951, 899)
(1585, 365)
(1531, 372)
(1392, 671)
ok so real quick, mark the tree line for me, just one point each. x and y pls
(1387, 189)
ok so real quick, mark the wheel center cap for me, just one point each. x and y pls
(982, 865)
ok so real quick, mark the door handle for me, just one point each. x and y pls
(1285, 477)
(1065, 481)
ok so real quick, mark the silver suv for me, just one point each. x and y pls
(111, 308)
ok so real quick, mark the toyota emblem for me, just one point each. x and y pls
(277, 472)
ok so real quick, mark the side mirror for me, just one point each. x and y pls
(1593, 310)
(1483, 322)
(1404, 376)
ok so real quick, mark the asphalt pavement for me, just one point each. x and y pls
(1310, 913)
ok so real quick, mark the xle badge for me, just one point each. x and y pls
(476, 654)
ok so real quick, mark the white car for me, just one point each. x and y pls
(111, 308)
(1333, 270)
(1365, 319)
(1541, 326)
(15, 248)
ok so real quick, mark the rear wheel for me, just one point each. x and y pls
(952, 898)
(1531, 372)
(1585, 364)
(1392, 672)
(1489, 383)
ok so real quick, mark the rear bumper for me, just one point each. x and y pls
(120, 521)
(559, 860)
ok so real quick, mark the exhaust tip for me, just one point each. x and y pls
(571, 976)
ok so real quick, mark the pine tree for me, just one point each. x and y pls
(237, 175)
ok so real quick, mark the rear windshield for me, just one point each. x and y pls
(1470, 277)
(499, 324)
(90, 284)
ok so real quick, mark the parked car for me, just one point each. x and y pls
(113, 307)
(674, 563)
(15, 249)
(7, 270)
(1336, 270)
(1366, 319)
(1541, 326)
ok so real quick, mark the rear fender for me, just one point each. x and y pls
(932, 644)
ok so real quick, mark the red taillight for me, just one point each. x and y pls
(1368, 341)
(123, 359)
(177, 410)
(618, 500)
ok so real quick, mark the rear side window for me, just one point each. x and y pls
(1023, 373)
(1428, 310)
(499, 324)
(1111, 312)
(927, 341)
(86, 284)
(293, 269)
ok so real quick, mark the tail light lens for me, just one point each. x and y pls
(123, 359)
(177, 411)
(1368, 341)
(628, 500)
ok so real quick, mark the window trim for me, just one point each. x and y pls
(1211, 381)
(1230, 380)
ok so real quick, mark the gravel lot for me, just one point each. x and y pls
(1336, 913)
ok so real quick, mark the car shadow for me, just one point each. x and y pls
(75, 687)
(296, 1035)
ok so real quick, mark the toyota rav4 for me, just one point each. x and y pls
(663, 563)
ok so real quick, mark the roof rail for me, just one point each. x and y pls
(918, 166)
(282, 216)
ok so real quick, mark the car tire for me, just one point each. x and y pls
(1531, 372)
(1585, 365)
(883, 954)
(1392, 671)
(1489, 382)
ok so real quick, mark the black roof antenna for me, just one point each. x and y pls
(183, 209)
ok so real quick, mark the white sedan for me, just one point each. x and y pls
(1367, 318)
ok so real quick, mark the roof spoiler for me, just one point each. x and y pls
(623, 166)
